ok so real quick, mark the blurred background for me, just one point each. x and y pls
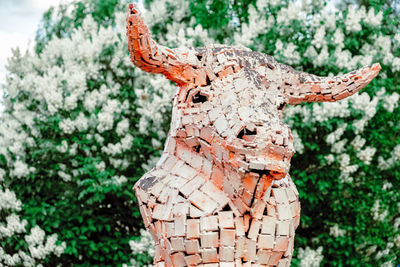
(79, 124)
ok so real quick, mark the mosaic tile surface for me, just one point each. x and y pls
(221, 194)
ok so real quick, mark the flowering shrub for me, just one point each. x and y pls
(81, 124)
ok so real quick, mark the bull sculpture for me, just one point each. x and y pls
(221, 194)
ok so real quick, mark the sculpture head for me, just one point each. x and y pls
(229, 105)
(234, 118)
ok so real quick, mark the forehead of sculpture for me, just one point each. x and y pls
(216, 54)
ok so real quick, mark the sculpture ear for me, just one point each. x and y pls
(311, 88)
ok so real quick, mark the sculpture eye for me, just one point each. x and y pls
(199, 98)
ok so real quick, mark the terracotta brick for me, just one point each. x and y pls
(209, 255)
(227, 264)
(209, 240)
(192, 246)
(239, 226)
(246, 220)
(191, 186)
(240, 247)
(227, 254)
(225, 219)
(180, 225)
(284, 263)
(284, 212)
(202, 201)
(258, 209)
(250, 250)
(178, 259)
(216, 194)
(209, 223)
(195, 212)
(291, 195)
(274, 259)
(227, 237)
(177, 244)
(193, 228)
(254, 229)
(263, 256)
(282, 228)
(193, 260)
(266, 241)
(281, 243)
(280, 195)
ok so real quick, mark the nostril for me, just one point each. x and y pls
(277, 175)
(246, 134)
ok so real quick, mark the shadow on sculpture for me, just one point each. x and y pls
(221, 194)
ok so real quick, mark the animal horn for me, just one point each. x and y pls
(311, 88)
(150, 56)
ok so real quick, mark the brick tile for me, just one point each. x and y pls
(268, 225)
(226, 219)
(193, 228)
(193, 260)
(209, 223)
(250, 247)
(192, 246)
(263, 256)
(227, 237)
(275, 257)
(266, 241)
(239, 226)
(227, 254)
(209, 240)
(282, 228)
(178, 259)
(209, 255)
(177, 244)
(281, 243)
(254, 229)
(284, 212)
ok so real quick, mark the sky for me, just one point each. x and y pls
(19, 20)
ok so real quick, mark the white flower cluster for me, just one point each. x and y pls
(380, 254)
(14, 226)
(9, 201)
(292, 12)
(336, 135)
(117, 148)
(257, 24)
(309, 257)
(328, 110)
(59, 87)
(144, 245)
(367, 154)
(391, 102)
(288, 53)
(353, 19)
(298, 145)
(346, 169)
(377, 212)
(40, 247)
(335, 231)
(385, 164)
